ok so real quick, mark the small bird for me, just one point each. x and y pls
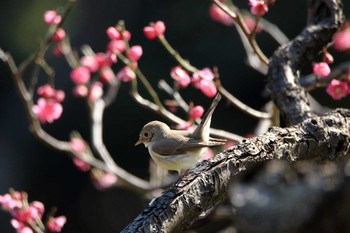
(179, 149)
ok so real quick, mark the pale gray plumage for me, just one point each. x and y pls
(179, 149)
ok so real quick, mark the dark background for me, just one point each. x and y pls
(50, 177)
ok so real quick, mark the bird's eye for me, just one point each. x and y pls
(145, 134)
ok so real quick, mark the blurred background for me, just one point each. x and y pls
(50, 176)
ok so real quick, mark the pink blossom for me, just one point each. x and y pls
(180, 76)
(47, 110)
(135, 52)
(126, 35)
(208, 88)
(107, 74)
(157, 29)
(81, 165)
(46, 91)
(104, 180)
(113, 33)
(126, 74)
(80, 75)
(196, 112)
(321, 69)
(78, 145)
(27, 214)
(49, 92)
(258, 7)
(103, 59)
(59, 35)
(90, 62)
(20, 227)
(341, 40)
(55, 224)
(10, 203)
(95, 92)
(80, 91)
(338, 89)
(205, 74)
(52, 17)
(116, 46)
(220, 16)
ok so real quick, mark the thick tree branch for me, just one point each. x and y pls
(325, 137)
(325, 17)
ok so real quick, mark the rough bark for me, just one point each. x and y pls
(324, 137)
(324, 18)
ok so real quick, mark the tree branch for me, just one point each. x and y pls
(325, 137)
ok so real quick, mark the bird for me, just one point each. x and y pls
(179, 150)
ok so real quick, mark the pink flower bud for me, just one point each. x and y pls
(80, 90)
(59, 35)
(341, 40)
(220, 16)
(78, 145)
(208, 88)
(126, 35)
(321, 69)
(116, 46)
(113, 33)
(126, 74)
(338, 89)
(180, 76)
(58, 50)
(258, 7)
(135, 52)
(103, 59)
(103, 180)
(56, 224)
(150, 33)
(96, 91)
(46, 91)
(107, 74)
(52, 17)
(90, 62)
(205, 74)
(80, 75)
(196, 112)
(81, 165)
(20, 226)
(157, 29)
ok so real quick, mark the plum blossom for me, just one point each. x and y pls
(152, 31)
(58, 35)
(80, 75)
(135, 52)
(47, 110)
(126, 74)
(338, 89)
(103, 180)
(90, 62)
(321, 69)
(258, 7)
(81, 165)
(107, 74)
(52, 17)
(55, 224)
(180, 76)
(203, 80)
(341, 40)
(115, 46)
(196, 112)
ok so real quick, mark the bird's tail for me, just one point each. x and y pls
(202, 130)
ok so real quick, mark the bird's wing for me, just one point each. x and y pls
(176, 146)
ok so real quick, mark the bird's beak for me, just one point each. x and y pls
(138, 142)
